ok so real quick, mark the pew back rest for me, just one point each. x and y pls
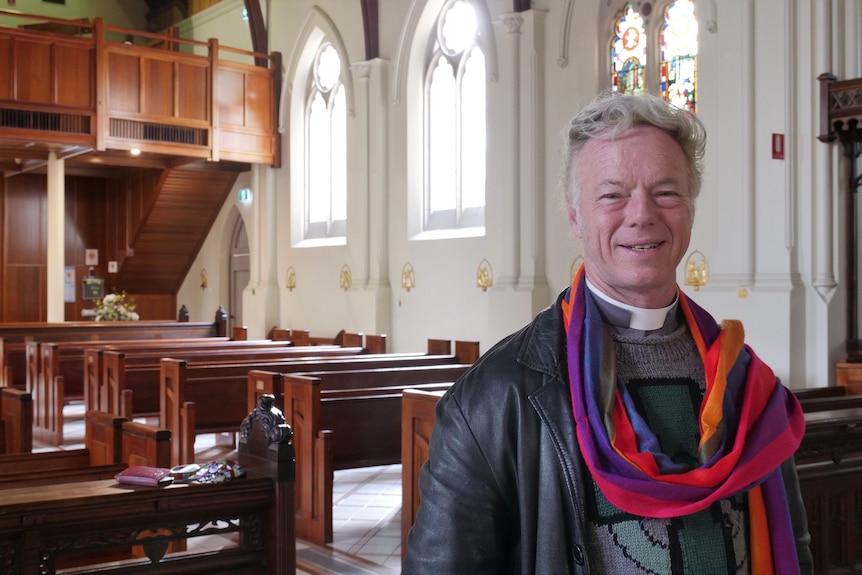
(377, 380)
(417, 422)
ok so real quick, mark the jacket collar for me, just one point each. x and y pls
(543, 349)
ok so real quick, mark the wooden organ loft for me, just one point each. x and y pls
(841, 120)
(88, 94)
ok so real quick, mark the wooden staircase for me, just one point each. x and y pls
(185, 203)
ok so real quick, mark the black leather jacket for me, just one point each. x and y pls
(501, 492)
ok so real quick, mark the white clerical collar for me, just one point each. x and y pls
(639, 318)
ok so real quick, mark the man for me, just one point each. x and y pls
(623, 430)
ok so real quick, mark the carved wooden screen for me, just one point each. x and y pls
(840, 115)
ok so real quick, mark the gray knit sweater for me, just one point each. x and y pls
(665, 378)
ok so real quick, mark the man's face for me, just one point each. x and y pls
(636, 214)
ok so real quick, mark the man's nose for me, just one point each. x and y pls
(641, 208)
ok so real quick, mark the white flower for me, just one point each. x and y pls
(114, 307)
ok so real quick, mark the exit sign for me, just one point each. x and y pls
(244, 195)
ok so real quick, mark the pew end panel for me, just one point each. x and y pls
(279, 334)
(172, 393)
(146, 445)
(465, 351)
(375, 343)
(417, 422)
(439, 347)
(87, 526)
(103, 436)
(265, 448)
(849, 376)
(360, 412)
(829, 465)
(92, 376)
(48, 421)
(300, 337)
(262, 382)
(314, 448)
(16, 418)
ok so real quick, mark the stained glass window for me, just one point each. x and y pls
(629, 53)
(678, 39)
(455, 116)
(326, 171)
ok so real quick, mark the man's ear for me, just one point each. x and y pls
(574, 222)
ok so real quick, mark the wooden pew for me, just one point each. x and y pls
(94, 366)
(111, 444)
(274, 383)
(14, 335)
(829, 463)
(95, 369)
(466, 351)
(16, 421)
(131, 382)
(70, 371)
(374, 343)
(223, 390)
(417, 421)
(54, 525)
(347, 419)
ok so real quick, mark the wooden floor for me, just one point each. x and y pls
(367, 512)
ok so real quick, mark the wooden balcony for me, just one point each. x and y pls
(88, 91)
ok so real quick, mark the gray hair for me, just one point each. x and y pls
(609, 116)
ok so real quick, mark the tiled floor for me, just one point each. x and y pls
(366, 510)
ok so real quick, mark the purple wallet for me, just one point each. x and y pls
(143, 475)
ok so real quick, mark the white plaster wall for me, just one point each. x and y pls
(760, 222)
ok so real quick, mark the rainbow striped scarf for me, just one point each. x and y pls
(749, 425)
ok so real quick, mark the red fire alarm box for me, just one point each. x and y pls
(777, 146)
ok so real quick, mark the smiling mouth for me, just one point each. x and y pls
(644, 247)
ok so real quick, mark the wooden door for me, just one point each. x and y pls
(239, 273)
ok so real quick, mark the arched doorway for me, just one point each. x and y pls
(238, 267)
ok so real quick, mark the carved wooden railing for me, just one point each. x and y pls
(99, 87)
(840, 119)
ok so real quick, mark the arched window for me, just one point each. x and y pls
(455, 122)
(667, 36)
(679, 55)
(629, 53)
(326, 148)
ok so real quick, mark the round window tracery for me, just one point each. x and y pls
(327, 68)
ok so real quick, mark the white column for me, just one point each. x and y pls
(56, 238)
(511, 82)
(747, 214)
(823, 276)
(260, 299)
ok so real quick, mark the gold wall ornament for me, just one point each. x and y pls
(408, 278)
(291, 278)
(346, 279)
(205, 280)
(484, 275)
(696, 270)
(742, 292)
(576, 265)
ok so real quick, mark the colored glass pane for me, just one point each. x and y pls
(679, 55)
(628, 53)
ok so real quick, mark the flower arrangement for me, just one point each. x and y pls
(116, 307)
